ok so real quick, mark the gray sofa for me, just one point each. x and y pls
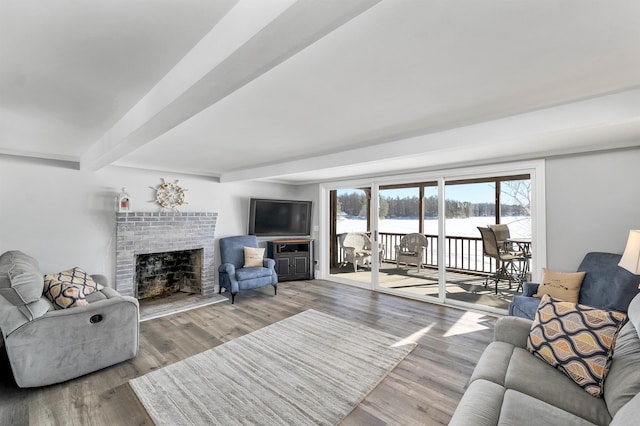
(510, 386)
(606, 286)
(45, 345)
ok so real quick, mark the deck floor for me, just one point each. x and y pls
(461, 287)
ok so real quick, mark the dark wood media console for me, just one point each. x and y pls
(294, 258)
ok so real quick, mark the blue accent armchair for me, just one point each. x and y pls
(606, 285)
(233, 276)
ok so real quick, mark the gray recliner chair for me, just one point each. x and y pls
(47, 345)
(234, 277)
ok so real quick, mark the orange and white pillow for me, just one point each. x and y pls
(68, 289)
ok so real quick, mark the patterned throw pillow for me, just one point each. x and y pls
(253, 256)
(69, 288)
(576, 339)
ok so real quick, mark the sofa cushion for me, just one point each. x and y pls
(521, 409)
(532, 376)
(244, 274)
(576, 339)
(560, 285)
(515, 368)
(20, 278)
(253, 256)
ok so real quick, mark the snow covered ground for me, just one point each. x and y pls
(519, 226)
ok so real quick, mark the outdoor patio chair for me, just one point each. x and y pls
(509, 266)
(503, 235)
(411, 250)
(356, 248)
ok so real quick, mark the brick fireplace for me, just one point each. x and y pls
(159, 233)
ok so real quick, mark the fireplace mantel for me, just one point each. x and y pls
(154, 232)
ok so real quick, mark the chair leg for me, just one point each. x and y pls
(275, 290)
(233, 298)
(500, 273)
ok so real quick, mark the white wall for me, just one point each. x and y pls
(593, 200)
(65, 217)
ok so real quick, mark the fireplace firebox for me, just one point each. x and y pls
(162, 274)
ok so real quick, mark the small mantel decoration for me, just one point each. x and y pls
(170, 195)
(124, 201)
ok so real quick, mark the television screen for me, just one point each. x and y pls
(279, 217)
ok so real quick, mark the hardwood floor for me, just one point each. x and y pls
(424, 389)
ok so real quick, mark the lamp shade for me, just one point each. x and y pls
(631, 256)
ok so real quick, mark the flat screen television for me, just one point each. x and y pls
(279, 218)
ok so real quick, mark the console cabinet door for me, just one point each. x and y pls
(301, 266)
(293, 259)
(283, 264)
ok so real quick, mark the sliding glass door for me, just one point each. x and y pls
(351, 234)
(475, 274)
(409, 235)
(421, 238)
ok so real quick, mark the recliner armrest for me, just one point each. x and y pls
(268, 263)
(228, 268)
(100, 279)
(529, 289)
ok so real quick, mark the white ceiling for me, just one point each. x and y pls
(308, 90)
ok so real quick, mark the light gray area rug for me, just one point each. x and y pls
(172, 305)
(308, 369)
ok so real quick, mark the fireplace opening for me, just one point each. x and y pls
(162, 274)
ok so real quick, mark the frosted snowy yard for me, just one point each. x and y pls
(519, 226)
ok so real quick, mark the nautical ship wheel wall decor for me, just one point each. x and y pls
(170, 195)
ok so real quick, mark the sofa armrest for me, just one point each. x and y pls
(512, 330)
(529, 289)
